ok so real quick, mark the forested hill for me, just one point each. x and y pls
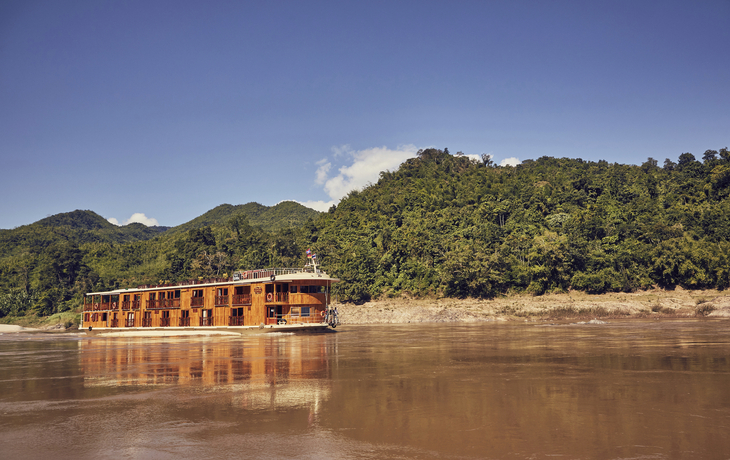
(77, 226)
(269, 218)
(440, 225)
(447, 225)
(46, 266)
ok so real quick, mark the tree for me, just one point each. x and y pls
(709, 156)
(649, 165)
(724, 154)
(685, 161)
(487, 160)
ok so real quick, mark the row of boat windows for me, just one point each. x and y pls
(239, 290)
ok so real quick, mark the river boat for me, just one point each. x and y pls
(265, 300)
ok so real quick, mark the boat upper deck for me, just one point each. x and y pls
(281, 275)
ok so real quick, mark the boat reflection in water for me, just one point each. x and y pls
(271, 371)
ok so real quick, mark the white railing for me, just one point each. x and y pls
(269, 272)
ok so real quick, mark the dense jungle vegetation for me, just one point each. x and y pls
(441, 225)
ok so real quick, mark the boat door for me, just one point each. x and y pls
(271, 315)
(130, 319)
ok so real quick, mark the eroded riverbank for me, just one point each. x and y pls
(576, 305)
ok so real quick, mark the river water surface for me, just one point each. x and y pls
(625, 389)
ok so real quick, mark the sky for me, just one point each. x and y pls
(158, 111)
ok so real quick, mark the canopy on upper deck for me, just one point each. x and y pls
(240, 278)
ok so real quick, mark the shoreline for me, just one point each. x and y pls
(652, 304)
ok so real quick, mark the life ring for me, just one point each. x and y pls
(96, 305)
(114, 305)
(323, 314)
(245, 275)
(273, 277)
(269, 297)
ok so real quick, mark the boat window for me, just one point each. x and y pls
(177, 293)
(240, 290)
(295, 311)
(305, 311)
(153, 295)
(198, 293)
(304, 289)
(293, 289)
(269, 288)
(222, 291)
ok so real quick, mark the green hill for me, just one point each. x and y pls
(58, 258)
(440, 225)
(449, 226)
(76, 226)
(268, 218)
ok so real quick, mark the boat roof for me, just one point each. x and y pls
(239, 278)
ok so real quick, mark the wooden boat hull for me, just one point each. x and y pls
(204, 330)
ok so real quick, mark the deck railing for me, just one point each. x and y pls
(114, 323)
(164, 322)
(196, 301)
(184, 322)
(221, 301)
(277, 297)
(160, 304)
(146, 322)
(269, 272)
(129, 323)
(242, 299)
(130, 304)
(235, 321)
(207, 321)
(100, 306)
(171, 303)
(304, 319)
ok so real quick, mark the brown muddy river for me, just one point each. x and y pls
(625, 389)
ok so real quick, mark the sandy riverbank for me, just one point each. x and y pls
(6, 328)
(575, 305)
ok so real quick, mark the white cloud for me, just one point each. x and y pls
(136, 217)
(477, 158)
(321, 206)
(366, 167)
(338, 151)
(322, 171)
(511, 161)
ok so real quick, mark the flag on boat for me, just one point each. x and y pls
(314, 256)
(309, 253)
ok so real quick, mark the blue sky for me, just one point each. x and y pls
(158, 111)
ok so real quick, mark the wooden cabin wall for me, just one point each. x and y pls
(257, 315)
